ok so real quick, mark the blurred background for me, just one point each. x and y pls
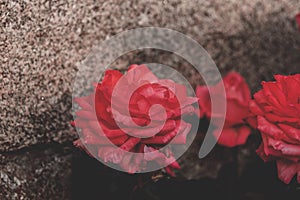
(43, 42)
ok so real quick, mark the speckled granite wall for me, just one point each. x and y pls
(42, 43)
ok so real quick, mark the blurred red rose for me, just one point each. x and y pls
(276, 111)
(298, 20)
(150, 90)
(235, 131)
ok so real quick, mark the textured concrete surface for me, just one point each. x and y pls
(39, 173)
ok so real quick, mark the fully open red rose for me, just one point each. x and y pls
(276, 110)
(134, 131)
(235, 131)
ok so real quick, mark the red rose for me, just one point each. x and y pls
(276, 110)
(235, 131)
(135, 131)
(298, 20)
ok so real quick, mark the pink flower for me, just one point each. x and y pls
(276, 111)
(117, 126)
(235, 131)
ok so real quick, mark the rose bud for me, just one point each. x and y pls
(235, 131)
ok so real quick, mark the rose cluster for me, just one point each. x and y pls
(274, 111)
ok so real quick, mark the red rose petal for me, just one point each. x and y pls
(298, 20)
(255, 108)
(292, 90)
(231, 137)
(290, 131)
(273, 94)
(287, 170)
(169, 126)
(260, 98)
(169, 171)
(268, 128)
(276, 118)
(111, 77)
(175, 165)
(243, 134)
(252, 121)
(235, 113)
(119, 140)
(260, 151)
(180, 132)
(236, 88)
(204, 100)
(102, 130)
(130, 143)
(284, 148)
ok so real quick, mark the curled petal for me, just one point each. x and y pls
(290, 131)
(287, 170)
(284, 148)
(268, 128)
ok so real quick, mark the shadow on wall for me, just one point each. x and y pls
(48, 124)
(262, 49)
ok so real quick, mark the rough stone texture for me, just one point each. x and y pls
(38, 173)
(42, 43)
